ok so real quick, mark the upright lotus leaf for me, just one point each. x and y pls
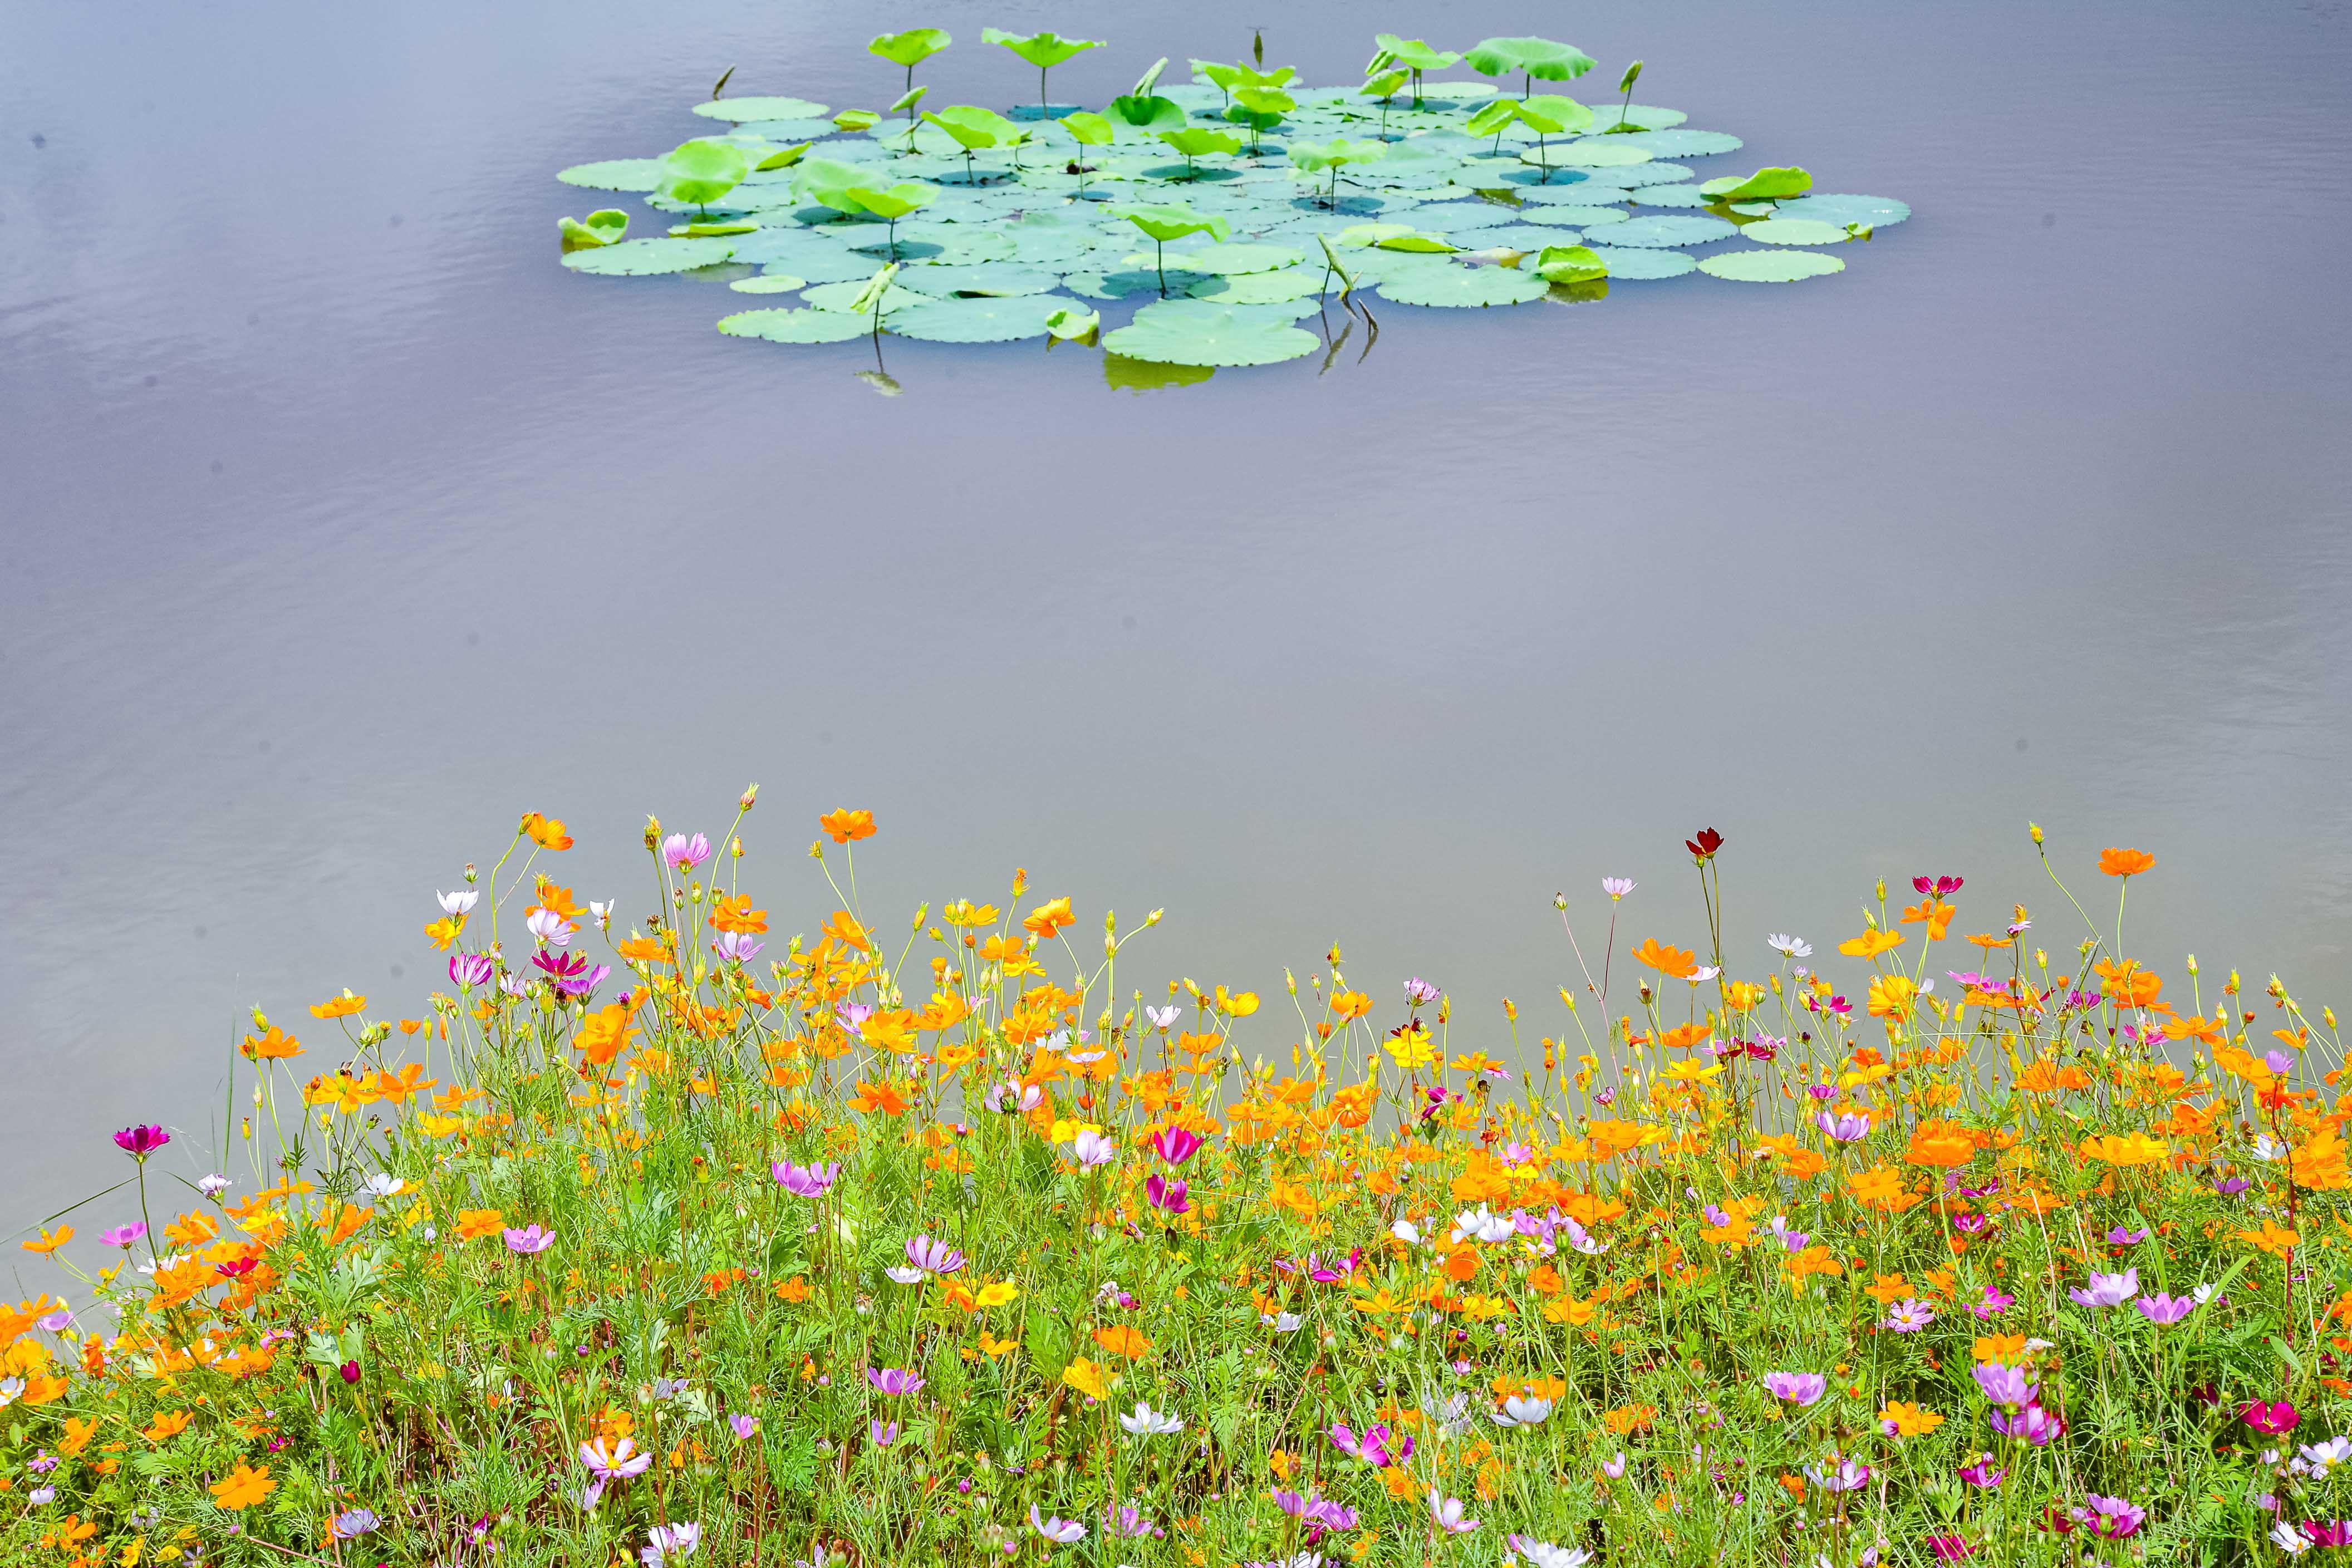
(783, 157)
(702, 171)
(1043, 50)
(1491, 119)
(1311, 158)
(1172, 221)
(891, 204)
(1150, 79)
(974, 128)
(906, 100)
(1087, 129)
(856, 119)
(828, 183)
(1415, 55)
(1382, 85)
(1569, 264)
(1149, 114)
(1764, 185)
(1259, 107)
(1249, 76)
(910, 48)
(1531, 57)
(1549, 114)
(1195, 142)
(608, 225)
(1224, 78)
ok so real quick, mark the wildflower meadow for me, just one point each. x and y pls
(655, 1235)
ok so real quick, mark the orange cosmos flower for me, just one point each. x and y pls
(843, 927)
(556, 901)
(339, 1007)
(272, 1045)
(1684, 1036)
(1124, 1341)
(844, 826)
(167, 1424)
(50, 1239)
(546, 832)
(2125, 862)
(1674, 962)
(473, 1224)
(444, 931)
(1049, 917)
(736, 913)
(1871, 944)
(243, 1487)
(1940, 1143)
(882, 1097)
(1350, 1006)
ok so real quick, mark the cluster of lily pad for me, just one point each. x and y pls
(1231, 206)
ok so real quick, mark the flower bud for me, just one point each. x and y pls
(736, 848)
(1153, 918)
(745, 801)
(2192, 963)
(260, 1019)
(2034, 828)
(470, 874)
(1560, 901)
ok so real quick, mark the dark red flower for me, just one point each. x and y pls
(1702, 847)
(2276, 1418)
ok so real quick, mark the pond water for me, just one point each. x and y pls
(345, 525)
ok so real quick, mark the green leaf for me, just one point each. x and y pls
(1414, 53)
(1795, 231)
(1072, 324)
(1203, 332)
(1089, 128)
(1494, 117)
(649, 257)
(715, 228)
(1172, 221)
(857, 120)
(702, 171)
(1764, 185)
(828, 183)
(873, 294)
(1248, 76)
(1878, 212)
(1569, 264)
(1043, 50)
(783, 158)
(1147, 113)
(842, 298)
(1595, 153)
(1241, 258)
(1539, 57)
(994, 278)
(743, 110)
(895, 202)
(974, 128)
(608, 225)
(1262, 288)
(1447, 284)
(1269, 100)
(911, 48)
(617, 174)
(907, 100)
(769, 283)
(1767, 266)
(1336, 153)
(1224, 78)
(1197, 140)
(1150, 79)
(1385, 84)
(979, 320)
(1554, 115)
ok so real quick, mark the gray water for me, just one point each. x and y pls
(343, 526)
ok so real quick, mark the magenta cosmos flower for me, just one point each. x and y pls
(123, 1235)
(806, 1181)
(1165, 1194)
(1176, 1145)
(2109, 1518)
(141, 1142)
(2003, 1385)
(2165, 1310)
(2277, 1417)
(1847, 1127)
(529, 1240)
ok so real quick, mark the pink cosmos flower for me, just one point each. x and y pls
(2276, 1418)
(2031, 1425)
(123, 1235)
(141, 1142)
(467, 971)
(2003, 1385)
(1446, 1513)
(806, 1181)
(893, 1382)
(2164, 1309)
(1062, 1531)
(2107, 1290)
(1909, 1316)
(1950, 1548)
(616, 1463)
(1092, 1150)
(528, 1240)
(2108, 1517)
(1981, 1474)
(1804, 1388)
(1846, 1127)
(882, 1433)
(685, 853)
(1175, 1144)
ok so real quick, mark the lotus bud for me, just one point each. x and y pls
(1632, 74)
(750, 797)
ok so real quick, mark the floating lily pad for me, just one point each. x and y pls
(1451, 284)
(1264, 287)
(1592, 153)
(1642, 265)
(1575, 217)
(647, 257)
(1237, 258)
(1461, 217)
(1874, 212)
(745, 109)
(1204, 333)
(617, 174)
(789, 326)
(999, 279)
(1666, 230)
(1679, 195)
(990, 320)
(769, 283)
(1770, 266)
(840, 296)
(1683, 143)
(1642, 116)
(1795, 231)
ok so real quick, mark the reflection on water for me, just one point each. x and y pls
(345, 525)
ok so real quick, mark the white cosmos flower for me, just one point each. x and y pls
(1145, 1422)
(1792, 947)
(458, 903)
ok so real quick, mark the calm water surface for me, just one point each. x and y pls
(343, 526)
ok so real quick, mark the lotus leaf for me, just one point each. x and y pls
(1241, 258)
(1770, 266)
(701, 170)
(1683, 143)
(715, 228)
(1196, 142)
(972, 127)
(617, 174)
(1628, 117)
(1125, 283)
(607, 225)
(1090, 130)
(1414, 53)
(781, 158)
(1796, 231)
(1073, 324)
(1147, 112)
(893, 203)
(1452, 284)
(792, 326)
(769, 283)
(1595, 152)
(1643, 264)
(1204, 333)
(1043, 50)
(647, 257)
(1569, 264)
(856, 119)
(982, 320)
(1671, 196)
(742, 110)
(1764, 185)
(991, 278)
(1876, 212)
(1172, 221)
(1262, 288)
(1667, 230)
(1534, 58)
(1575, 217)
(828, 183)
(911, 48)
